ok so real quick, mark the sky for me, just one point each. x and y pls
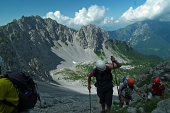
(107, 14)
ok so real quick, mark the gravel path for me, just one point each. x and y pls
(57, 99)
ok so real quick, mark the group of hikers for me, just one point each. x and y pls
(104, 86)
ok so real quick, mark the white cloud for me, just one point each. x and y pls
(94, 15)
(151, 9)
(58, 17)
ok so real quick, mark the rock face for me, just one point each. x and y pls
(162, 107)
(91, 37)
(62, 100)
(54, 99)
(163, 72)
(40, 45)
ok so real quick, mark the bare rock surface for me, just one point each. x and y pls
(59, 99)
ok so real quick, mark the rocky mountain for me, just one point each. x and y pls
(43, 47)
(40, 46)
(148, 37)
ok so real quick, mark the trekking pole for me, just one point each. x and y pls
(90, 99)
(116, 79)
(115, 75)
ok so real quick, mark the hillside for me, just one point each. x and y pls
(43, 46)
(147, 37)
(52, 52)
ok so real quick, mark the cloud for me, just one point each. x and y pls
(151, 9)
(58, 17)
(93, 15)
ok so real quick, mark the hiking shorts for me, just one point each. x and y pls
(126, 100)
(105, 97)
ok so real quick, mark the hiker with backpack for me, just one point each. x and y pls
(125, 91)
(104, 84)
(7, 92)
(157, 89)
(17, 92)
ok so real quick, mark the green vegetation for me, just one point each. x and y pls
(100, 53)
(145, 81)
(66, 43)
(82, 70)
(80, 73)
(136, 63)
(148, 107)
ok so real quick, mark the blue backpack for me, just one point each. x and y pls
(27, 90)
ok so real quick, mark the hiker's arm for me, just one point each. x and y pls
(148, 90)
(138, 92)
(117, 64)
(119, 92)
(89, 81)
(162, 92)
(114, 61)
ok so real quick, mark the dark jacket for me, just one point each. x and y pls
(103, 79)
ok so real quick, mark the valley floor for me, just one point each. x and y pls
(64, 99)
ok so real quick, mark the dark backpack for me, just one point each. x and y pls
(127, 92)
(98, 78)
(27, 90)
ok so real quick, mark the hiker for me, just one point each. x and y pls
(157, 89)
(125, 91)
(7, 92)
(104, 85)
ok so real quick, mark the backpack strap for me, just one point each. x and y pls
(125, 86)
(4, 76)
(9, 103)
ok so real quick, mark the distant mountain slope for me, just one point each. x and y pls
(147, 37)
(43, 46)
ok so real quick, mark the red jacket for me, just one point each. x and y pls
(158, 89)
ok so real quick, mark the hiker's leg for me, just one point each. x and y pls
(108, 99)
(108, 109)
(101, 99)
(127, 100)
(103, 106)
(121, 101)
